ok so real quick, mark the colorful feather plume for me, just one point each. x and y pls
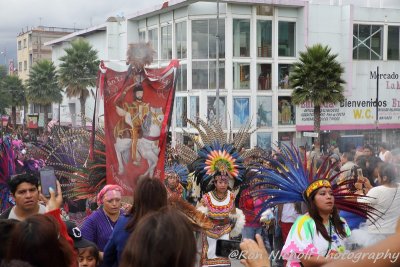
(287, 179)
(178, 169)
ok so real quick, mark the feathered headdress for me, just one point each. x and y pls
(217, 152)
(289, 180)
(180, 170)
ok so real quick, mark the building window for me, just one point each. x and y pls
(204, 54)
(166, 42)
(25, 65)
(286, 111)
(24, 43)
(241, 75)
(204, 41)
(212, 109)
(286, 38)
(19, 66)
(283, 76)
(194, 107)
(180, 38)
(204, 74)
(241, 111)
(241, 38)
(264, 140)
(19, 45)
(393, 43)
(367, 42)
(142, 36)
(181, 111)
(264, 38)
(265, 10)
(153, 39)
(264, 76)
(181, 83)
(264, 111)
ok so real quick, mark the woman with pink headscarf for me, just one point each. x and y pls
(99, 226)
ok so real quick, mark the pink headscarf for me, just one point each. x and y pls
(108, 189)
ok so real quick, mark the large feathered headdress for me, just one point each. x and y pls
(290, 180)
(178, 169)
(218, 152)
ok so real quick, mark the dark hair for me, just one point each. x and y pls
(149, 195)
(334, 218)
(6, 227)
(37, 240)
(18, 179)
(93, 251)
(161, 239)
(369, 147)
(388, 170)
(15, 263)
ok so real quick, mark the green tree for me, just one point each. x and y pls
(78, 71)
(316, 77)
(13, 86)
(3, 72)
(43, 87)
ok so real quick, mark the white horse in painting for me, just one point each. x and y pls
(147, 146)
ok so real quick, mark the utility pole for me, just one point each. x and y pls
(217, 65)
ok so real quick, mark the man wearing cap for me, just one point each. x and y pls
(24, 190)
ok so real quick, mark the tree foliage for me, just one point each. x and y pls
(316, 77)
(78, 71)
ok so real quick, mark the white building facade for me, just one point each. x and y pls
(259, 40)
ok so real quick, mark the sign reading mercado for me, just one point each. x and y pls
(358, 110)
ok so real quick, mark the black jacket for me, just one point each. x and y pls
(6, 213)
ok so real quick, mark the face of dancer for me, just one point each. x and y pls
(86, 259)
(172, 180)
(112, 203)
(26, 197)
(324, 200)
(221, 185)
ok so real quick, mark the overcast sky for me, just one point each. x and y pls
(16, 15)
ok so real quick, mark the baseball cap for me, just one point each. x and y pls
(75, 233)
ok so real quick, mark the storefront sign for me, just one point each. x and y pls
(358, 110)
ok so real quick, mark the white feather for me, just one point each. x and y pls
(240, 221)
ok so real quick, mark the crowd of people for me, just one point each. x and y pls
(289, 208)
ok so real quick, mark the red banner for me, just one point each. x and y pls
(137, 116)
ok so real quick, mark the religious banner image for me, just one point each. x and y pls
(33, 121)
(137, 106)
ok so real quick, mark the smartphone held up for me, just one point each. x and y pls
(48, 179)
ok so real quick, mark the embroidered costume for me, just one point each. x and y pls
(180, 173)
(219, 160)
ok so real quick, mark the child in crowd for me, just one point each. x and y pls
(87, 251)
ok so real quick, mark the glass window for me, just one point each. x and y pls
(264, 38)
(367, 42)
(241, 111)
(194, 107)
(283, 76)
(213, 79)
(241, 38)
(286, 38)
(180, 38)
(142, 36)
(212, 109)
(24, 43)
(25, 65)
(19, 66)
(286, 111)
(265, 10)
(393, 43)
(153, 39)
(181, 83)
(241, 75)
(264, 76)
(203, 38)
(19, 45)
(166, 42)
(200, 74)
(264, 140)
(181, 111)
(287, 138)
(264, 111)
